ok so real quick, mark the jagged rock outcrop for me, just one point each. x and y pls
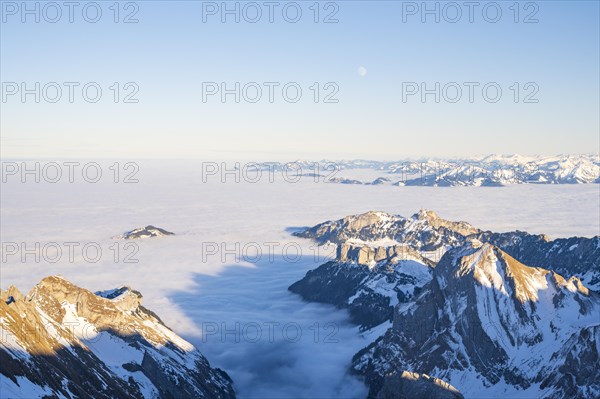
(367, 281)
(367, 256)
(62, 340)
(432, 235)
(493, 327)
(581, 353)
(144, 232)
(407, 385)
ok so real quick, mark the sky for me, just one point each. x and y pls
(361, 68)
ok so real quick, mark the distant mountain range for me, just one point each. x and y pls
(60, 340)
(488, 314)
(491, 170)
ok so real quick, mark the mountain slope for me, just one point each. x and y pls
(62, 340)
(368, 282)
(408, 385)
(491, 327)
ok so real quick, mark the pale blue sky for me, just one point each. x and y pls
(171, 51)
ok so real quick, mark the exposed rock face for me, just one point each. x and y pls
(367, 256)
(433, 236)
(581, 353)
(493, 327)
(145, 232)
(369, 282)
(62, 340)
(424, 231)
(407, 385)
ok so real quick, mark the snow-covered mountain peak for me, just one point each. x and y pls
(490, 325)
(493, 268)
(61, 340)
(123, 313)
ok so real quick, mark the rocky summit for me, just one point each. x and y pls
(60, 340)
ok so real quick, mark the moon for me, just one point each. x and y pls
(362, 71)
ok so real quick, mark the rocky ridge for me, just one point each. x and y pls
(62, 340)
(432, 236)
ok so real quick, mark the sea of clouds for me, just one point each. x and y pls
(238, 312)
